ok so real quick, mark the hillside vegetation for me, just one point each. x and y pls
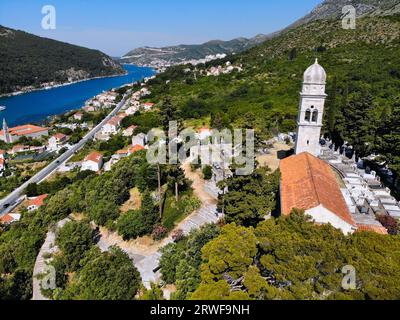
(363, 68)
(30, 61)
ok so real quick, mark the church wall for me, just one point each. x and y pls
(322, 215)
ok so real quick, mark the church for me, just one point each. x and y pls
(307, 182)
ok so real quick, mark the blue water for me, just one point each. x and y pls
(36, 106)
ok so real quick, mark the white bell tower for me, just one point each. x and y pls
(311, 110)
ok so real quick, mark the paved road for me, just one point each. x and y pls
(41, 266)
(13, 198)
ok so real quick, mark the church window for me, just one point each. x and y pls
(315, 116)
(308, 116)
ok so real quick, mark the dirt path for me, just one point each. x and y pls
(144, 252)
(272, 160)
(198, 185)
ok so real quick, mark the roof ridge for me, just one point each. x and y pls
(312, 177)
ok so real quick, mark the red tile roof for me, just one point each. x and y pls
(19, 147)
(308, 182)
(3, 151)
(38, 201)
(148, 104)
(60, 136)
(6, 219)
(94, 156)
(371, 228)
(114, 121)
(135, 148)
(25, 129)
(2, 162)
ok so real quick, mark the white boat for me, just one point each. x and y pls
(2, 108)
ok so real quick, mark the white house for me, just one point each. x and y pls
(128, 132)
(112, 126)
(92, 162)
(78, 116)
(57, 141)
(10, 218)
(36, 202)
(131, 110)
(140, 139)
(148, 106)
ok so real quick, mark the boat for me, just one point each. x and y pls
(2, 108)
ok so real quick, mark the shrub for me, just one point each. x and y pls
(207, 172)
(159, 232)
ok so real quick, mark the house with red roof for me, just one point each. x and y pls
(92, 162)
(135, 149)
(9, 218)
(148, 106)
(78, 116)
(3, 154)
(36, 202)
(112, 126)
(19, 148)
(57, 141)
(128, 132)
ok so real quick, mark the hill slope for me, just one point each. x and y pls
(332, 9)
(183, 53)
(28, 61)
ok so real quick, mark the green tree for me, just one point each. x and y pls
(74, 239)
(104, 276)
(154, 293)
(250, 198)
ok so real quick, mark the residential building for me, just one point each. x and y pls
(134, 149)
(78, 116)
(128, 132)
(140, 139)
(10, 218)
(148, 106)
(57, 141)
(19, 149)
(92, 162)
(112, 126)
(36, 202)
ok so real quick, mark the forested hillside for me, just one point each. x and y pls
(363, 68)
(30, 61)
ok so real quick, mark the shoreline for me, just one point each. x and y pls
(17, 93)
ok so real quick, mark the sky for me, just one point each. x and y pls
(118, 26)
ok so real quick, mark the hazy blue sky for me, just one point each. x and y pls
(117, 26)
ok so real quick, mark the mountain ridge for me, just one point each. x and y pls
(30, 62)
